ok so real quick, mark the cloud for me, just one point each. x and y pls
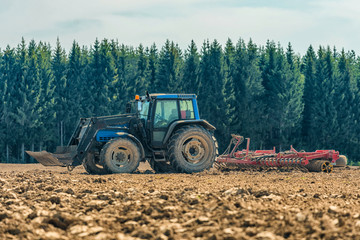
(77, 25)
(301, 22)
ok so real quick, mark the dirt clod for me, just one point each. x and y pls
(51, 203)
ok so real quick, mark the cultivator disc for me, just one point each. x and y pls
(227, 167)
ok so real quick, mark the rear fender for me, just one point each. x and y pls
(175, 125)
(135, 139)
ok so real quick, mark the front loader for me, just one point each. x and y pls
(164, 129)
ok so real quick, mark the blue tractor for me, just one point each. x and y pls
(164, 129)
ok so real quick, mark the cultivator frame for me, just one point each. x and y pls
(318, 161)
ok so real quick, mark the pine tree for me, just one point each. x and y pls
(58, 66)
(231, 119)
(248, 91)
(190, 80)
(7, 77)
(293, 94)
(344, 102)
(211, 99)
(141, 70)
(283, 85)
(310, 88)
(324, 96)
(271, 65)
(170, 63)
(153, 65)
(45, 124)
(102, 74)
(120, 87)
(27, 113)
(74, 99)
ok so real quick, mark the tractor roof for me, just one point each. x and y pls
(172, 95)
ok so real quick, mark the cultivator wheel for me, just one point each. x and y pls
(320, 166)
(342, 161)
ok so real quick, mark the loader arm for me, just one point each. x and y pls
(88, 140)
(82, 140)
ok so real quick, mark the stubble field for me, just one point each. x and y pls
(39, 202)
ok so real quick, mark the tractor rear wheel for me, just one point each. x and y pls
(191, 149)
(92, 165)
(120, 155)
(342, 161)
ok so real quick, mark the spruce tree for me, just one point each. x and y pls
(45, 124)
(74, 99)
(102, 74)
(271, 65)
(309, 99)
(211, 99)
(170, 63)
(141, 70)
(344, 103)
(283, 85)
(58, 66)
(120, 87)
(293, 94)
(153, 66)
(248, 92)
(231, 119)
(324, 107)
(190, 80)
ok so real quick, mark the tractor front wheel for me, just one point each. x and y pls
(191, 149)
(120, 155)
(92, 165)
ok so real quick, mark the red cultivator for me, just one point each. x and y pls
(318, 161)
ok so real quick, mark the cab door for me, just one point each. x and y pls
(166, 111)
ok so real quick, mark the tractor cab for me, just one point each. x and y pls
(162, 112)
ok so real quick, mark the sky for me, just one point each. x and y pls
(131, 22)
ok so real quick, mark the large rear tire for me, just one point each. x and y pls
(120, 155)
(92, 165)
(191, 149)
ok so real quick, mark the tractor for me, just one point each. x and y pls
(164, 129)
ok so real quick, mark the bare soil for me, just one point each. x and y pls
(39, 202)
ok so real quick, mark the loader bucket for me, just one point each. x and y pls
(62, 157)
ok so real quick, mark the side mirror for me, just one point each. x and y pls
(128, 108)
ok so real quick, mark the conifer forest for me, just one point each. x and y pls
(267, 93)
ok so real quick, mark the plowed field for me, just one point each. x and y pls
(50, 203)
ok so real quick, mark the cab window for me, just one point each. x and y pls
(165, 113)
(187, 109)
(144, 111)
